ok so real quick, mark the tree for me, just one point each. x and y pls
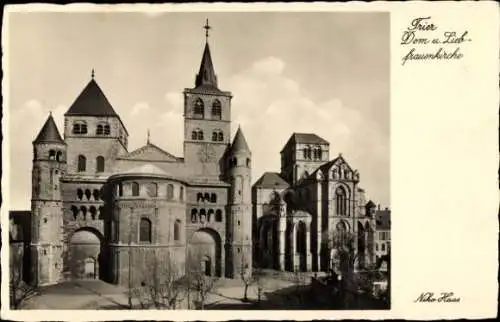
(246, 276)
(165, 289)
(20, 291)
(197, 278)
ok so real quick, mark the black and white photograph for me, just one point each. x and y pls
(199, 160)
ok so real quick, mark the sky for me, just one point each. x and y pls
(325, 73)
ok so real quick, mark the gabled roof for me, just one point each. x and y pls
(305, 138)
(383, 219)
(91, 102)
(239, 142)
(49, 133)
(150, 152)
(271, 180)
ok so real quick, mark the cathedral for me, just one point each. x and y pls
(99, 211)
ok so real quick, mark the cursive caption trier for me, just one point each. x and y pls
(427, 42)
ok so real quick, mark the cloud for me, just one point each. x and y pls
(25, 122)
(271, 106)
(268, 104)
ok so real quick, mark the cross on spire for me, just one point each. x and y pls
(207, 27)
(92, 74)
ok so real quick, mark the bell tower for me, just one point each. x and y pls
(49, 165)
(239, 241)
(207, 120)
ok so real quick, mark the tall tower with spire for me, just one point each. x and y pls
(207, 120)
(49, 165)
(239, 247)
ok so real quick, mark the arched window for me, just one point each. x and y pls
(100, 163)
(203, 215)
(107, 129)
(76, 128)
(221, 136)
(152, 189)
(93, 212)
(200, 135)
(170, 191)
(74, 211)
(301, 238)
(83, 209)
(58, 156)
(82, 163)
(210, 215)
(177, 230)
(96, 194)
(88, 194)
(194, 212)
(216, 110)
(199, 108)
(120, 189)
(52, 155)
(101, 212)
(199, 197)
(206, 197)
(248, 162)
(79, 193)
(213, 197)
(194, 135)
(100, 130)
(135, 189)
(218, 215)
(341, 231)
(317, 153)
(145, 230)
(181, 194)
(340, 197)
(215, 137)
(83, 128)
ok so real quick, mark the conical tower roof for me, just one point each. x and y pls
(206, 75)
(91, 102)
(49, 132)
(239, 142)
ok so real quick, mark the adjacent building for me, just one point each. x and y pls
(299, 212)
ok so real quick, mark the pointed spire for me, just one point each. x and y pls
(49, 132)
(206, 75)
(239, 142)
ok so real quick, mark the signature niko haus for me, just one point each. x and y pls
(444, 297)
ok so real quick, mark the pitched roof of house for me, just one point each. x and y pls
(49, 132)
(91, 102)
(383, 219)
(305, 138)
(271, 180)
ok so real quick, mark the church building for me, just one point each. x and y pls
(100, 211)
(301, 213)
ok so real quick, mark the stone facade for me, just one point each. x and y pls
(102, 212)
(300, 212)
